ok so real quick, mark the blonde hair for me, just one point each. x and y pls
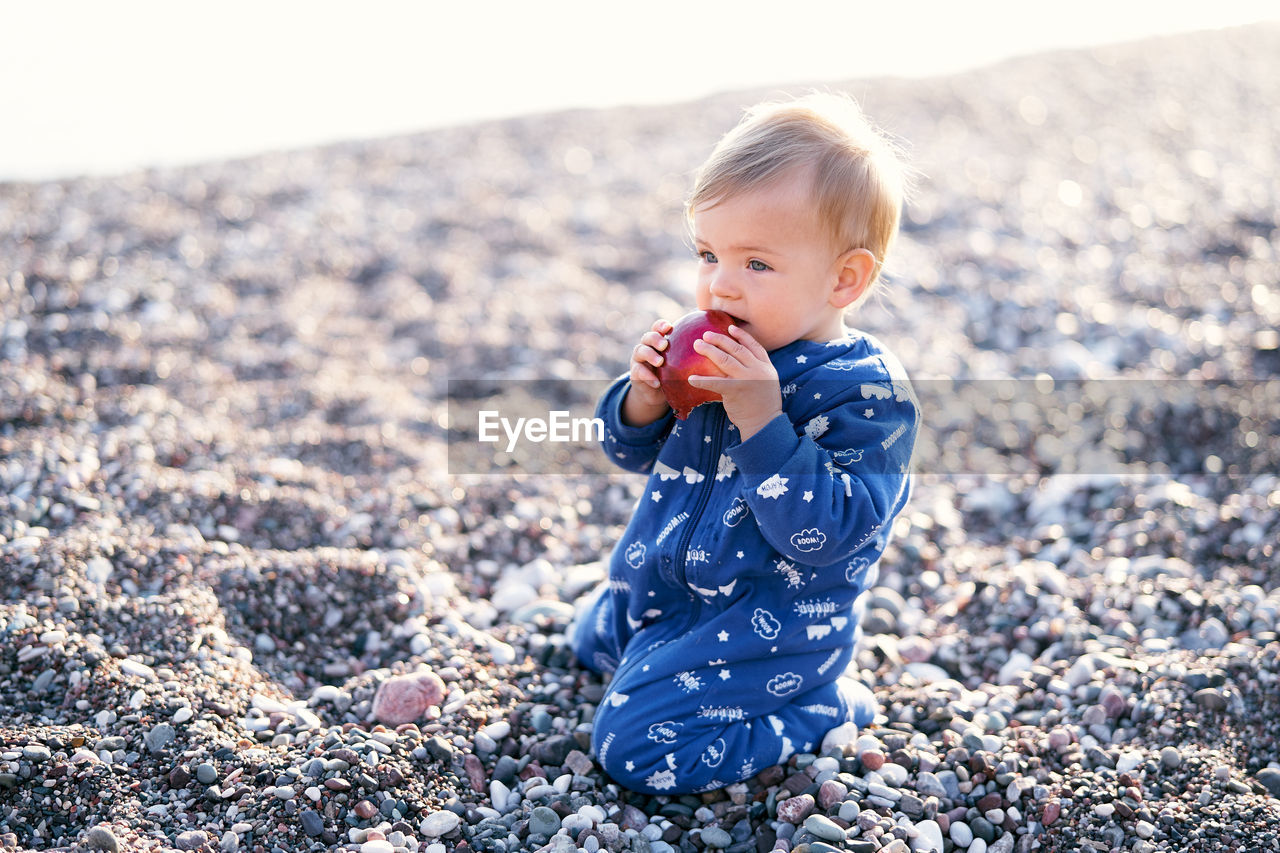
(858, 176)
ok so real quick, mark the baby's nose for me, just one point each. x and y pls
(724, 284)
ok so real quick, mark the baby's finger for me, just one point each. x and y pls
(644, 375)
(745, 338)
(723, 351)
(655, 340)
(709, 383)
(645, 354)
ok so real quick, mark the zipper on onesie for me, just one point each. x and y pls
(678, 568)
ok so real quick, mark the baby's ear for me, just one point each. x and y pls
(853, 276)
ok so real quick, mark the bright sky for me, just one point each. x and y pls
(91, 86)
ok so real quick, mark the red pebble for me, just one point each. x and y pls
(365, 809)
(1050, 814)
(404, 698)
(872, 759)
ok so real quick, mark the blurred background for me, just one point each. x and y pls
(92, 88)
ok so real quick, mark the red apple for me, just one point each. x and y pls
(680, 361)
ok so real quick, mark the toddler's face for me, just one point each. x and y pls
(763, 257)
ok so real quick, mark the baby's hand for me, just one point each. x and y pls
(749, 388)
(645, 402)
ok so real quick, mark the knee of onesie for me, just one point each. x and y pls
(646, 745)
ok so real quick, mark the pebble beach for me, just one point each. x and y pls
(230, 518)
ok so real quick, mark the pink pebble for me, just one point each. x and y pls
(795, 809)
(831, 793)
(405, 698)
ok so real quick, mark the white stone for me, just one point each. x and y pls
(893, 774)
(1128, 761)
(498, 730)
(961, 834)
(129, 666)
(499, 793)
(928, 837)
(1018, 663)
(439, 823)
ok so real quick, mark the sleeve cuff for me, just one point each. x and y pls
(633, 436)
(762, 455)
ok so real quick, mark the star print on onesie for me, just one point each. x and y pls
(733, 603)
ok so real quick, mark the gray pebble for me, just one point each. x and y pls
(1269, 777)
(160, 736)
(312, 823)
(823, 827)
(192, 839)
(102, 838)
(544, 821)
(715, 837)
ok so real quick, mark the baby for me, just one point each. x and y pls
(733, 598)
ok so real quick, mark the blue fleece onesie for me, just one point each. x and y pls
(732, 604)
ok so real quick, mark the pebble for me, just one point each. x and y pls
(716, 838)
(312, 822)
(893, 774)
(928, 837)
(823, 827)
(439, 823)
(102, 838)
(794, 810)
(192, 839)
(159, 736)
(1269, 777)
(544, 821)
(405, 698)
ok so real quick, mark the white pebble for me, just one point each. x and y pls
(1128, 761)
(326, 693)
(928, 838)
(893, 774)
(961, 834)
(129, 666)
(497, 731)
(439, 823)
(498, 795)
(501, 653)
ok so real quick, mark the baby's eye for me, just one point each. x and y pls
(757, 266)
(707, 258)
